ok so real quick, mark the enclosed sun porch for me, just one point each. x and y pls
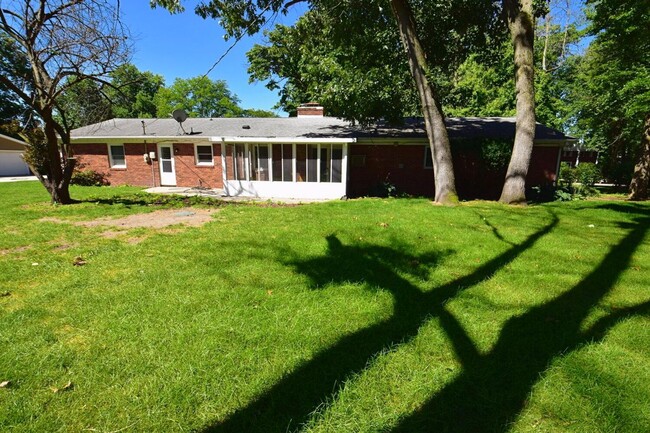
(314, 169)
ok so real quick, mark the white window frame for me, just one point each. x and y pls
(196, 155)
(110, 156)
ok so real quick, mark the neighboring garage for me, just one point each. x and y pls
(11, 162)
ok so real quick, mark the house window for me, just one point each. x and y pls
(203, 155)
(428, 159)
(116, 156)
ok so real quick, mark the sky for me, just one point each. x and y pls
(185, 45)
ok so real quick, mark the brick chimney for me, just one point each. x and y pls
(310, 109)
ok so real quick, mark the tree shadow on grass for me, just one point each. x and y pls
(289, 403)
(493, 388)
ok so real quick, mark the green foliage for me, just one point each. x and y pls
(199, 97)
(610, 93)
(84, 104)
(88, 178)
(578, 182)
(496, 153)
(132, 92)
(588, 173)
(483, 89)
(355, 64)
(567, 174)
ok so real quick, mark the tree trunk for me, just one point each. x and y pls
(641, 176)
(521, 24)
(59, 172)
(443, 169)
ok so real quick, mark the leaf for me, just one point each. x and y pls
(78, 261)
(67, 387)
(5, 384)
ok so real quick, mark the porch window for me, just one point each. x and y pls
(331, 162)
(282, 162)
(259, 162)
(203, 155)
(116, 156)
(278, 162)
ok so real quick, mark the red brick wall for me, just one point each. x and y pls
(403, 166)
(190, 174)
(94, 156)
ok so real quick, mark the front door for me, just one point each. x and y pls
(166, 163)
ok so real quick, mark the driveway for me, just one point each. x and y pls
(16, 178)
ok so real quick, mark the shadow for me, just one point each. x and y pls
(288, 404)
(493, 388)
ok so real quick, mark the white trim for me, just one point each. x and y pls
(282, 140)
(110, 155)
(160, 166)
(13, 140)
(196, 155)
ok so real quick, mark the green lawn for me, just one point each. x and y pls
(360, 316)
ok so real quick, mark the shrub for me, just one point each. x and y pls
(89, 178)
(587, 173)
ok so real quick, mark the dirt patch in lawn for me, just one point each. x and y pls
(159, 219)
(13, 250)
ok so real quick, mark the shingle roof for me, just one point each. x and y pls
(307, 127)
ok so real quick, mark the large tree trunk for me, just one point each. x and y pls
(60, 168)
(641, 176)
(521, 24)
(443, 169)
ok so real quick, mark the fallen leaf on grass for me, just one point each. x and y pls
(5, 384)
(78, 261)
(384, 225)
(67, 387)
(269, 292)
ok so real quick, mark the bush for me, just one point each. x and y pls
(587, 173)
(89, 178)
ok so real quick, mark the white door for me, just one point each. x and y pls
(166, 164)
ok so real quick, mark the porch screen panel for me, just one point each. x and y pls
(230, 163)
(325, 162)
(259, 162)
(337, 162)
(312, 160)
(287, 162)
(301, 162)
(240, 166)
(276, 152)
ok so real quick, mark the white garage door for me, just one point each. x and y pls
(11, 164)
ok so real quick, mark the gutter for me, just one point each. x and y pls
(281, 140)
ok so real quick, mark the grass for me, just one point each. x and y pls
(363, 316)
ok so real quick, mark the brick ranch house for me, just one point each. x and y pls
(309, 156)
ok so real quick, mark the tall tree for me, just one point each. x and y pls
(453, 27)
(443, 169)
(199, 96)
(521, 22)
(63, 43)
(132, 92)
(616, 86)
